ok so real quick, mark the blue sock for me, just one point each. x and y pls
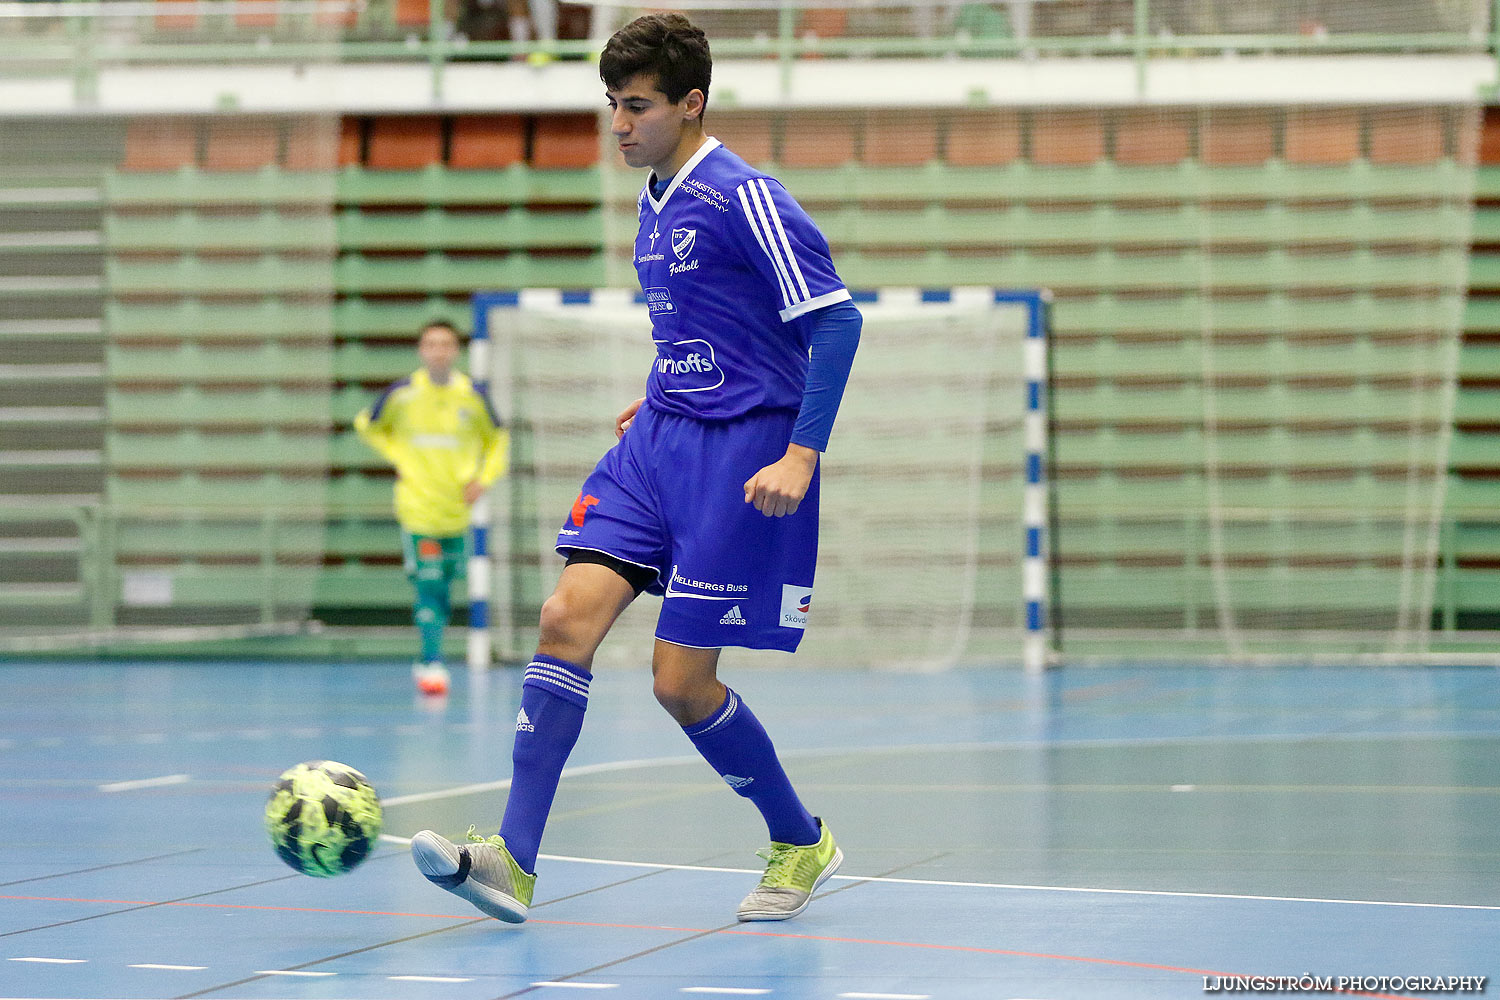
(734, 743)
(554, 696)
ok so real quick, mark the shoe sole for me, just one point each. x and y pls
(827, 873)
(436, 858)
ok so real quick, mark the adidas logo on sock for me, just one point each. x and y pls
(523, 724)
(735, 781)
(733, 617)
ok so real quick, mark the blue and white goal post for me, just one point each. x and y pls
(936, 514)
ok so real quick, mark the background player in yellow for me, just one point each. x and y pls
(448, 447)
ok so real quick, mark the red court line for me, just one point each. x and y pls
(969, 949)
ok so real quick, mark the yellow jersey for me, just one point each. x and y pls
(439, 438)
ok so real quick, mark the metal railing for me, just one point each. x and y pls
(79, 37)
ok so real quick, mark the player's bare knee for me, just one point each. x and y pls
(563, 630)
(679, 705)
(671, 695)
(687, 699)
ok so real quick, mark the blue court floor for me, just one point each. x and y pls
(1094, 833)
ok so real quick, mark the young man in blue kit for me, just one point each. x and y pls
(710, 498)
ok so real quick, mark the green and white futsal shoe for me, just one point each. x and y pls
(792, 875)
(481, 871)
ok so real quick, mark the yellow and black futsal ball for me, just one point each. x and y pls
(323, 818)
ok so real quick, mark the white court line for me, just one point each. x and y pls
(1018, 744)
(52, 961)
(173, 968)
(949, 883)
(642, 762)
(130, 786)
(580, 986)
(428, 979)
(567, 772)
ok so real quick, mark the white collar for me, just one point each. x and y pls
(709, 145)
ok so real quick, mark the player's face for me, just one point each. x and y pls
(438, 350)
(651, 130)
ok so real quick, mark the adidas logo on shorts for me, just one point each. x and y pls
(733, 617)
(523, 724)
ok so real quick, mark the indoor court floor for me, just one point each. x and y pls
(1097, 832)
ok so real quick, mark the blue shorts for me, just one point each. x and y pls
(670, 497)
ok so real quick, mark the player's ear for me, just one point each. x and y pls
(692, 104)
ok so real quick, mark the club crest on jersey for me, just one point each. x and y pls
(682, 242)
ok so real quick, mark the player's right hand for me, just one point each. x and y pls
(627, 417)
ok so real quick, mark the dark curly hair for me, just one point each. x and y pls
(669, 47)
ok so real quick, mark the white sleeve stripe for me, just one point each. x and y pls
(762, 232)
(791, 258)
(770, 222)
(826, 299)
(782, 278)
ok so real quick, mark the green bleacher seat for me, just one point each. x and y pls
(200, 363)
(382, 364)
(187, 231)
(266, 318)
(434, 185)
(1484, 272)
(432, 228)
(252, 451)
(199, 585)
(190, 186)
(1186, 225)
(359, 493)
(364, 537)
(1474, 450)
(358, 317)
(193, 489)
(215, 276)
(425, 274)
(192, 535)
(1191, 356)
(1480, 360)
(1481, 315)
(1487, 182)
(1477, 407)
(347, 451)
(1108, 182)
(191, 405)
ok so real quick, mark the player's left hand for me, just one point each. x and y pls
(472, 492)
(778, 489)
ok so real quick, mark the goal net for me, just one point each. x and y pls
(923, 546)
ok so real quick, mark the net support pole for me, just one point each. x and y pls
(480, 569)
(1034, 559)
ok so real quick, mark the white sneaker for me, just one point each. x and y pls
(432, 678)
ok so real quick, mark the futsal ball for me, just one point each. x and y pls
(323, 818)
